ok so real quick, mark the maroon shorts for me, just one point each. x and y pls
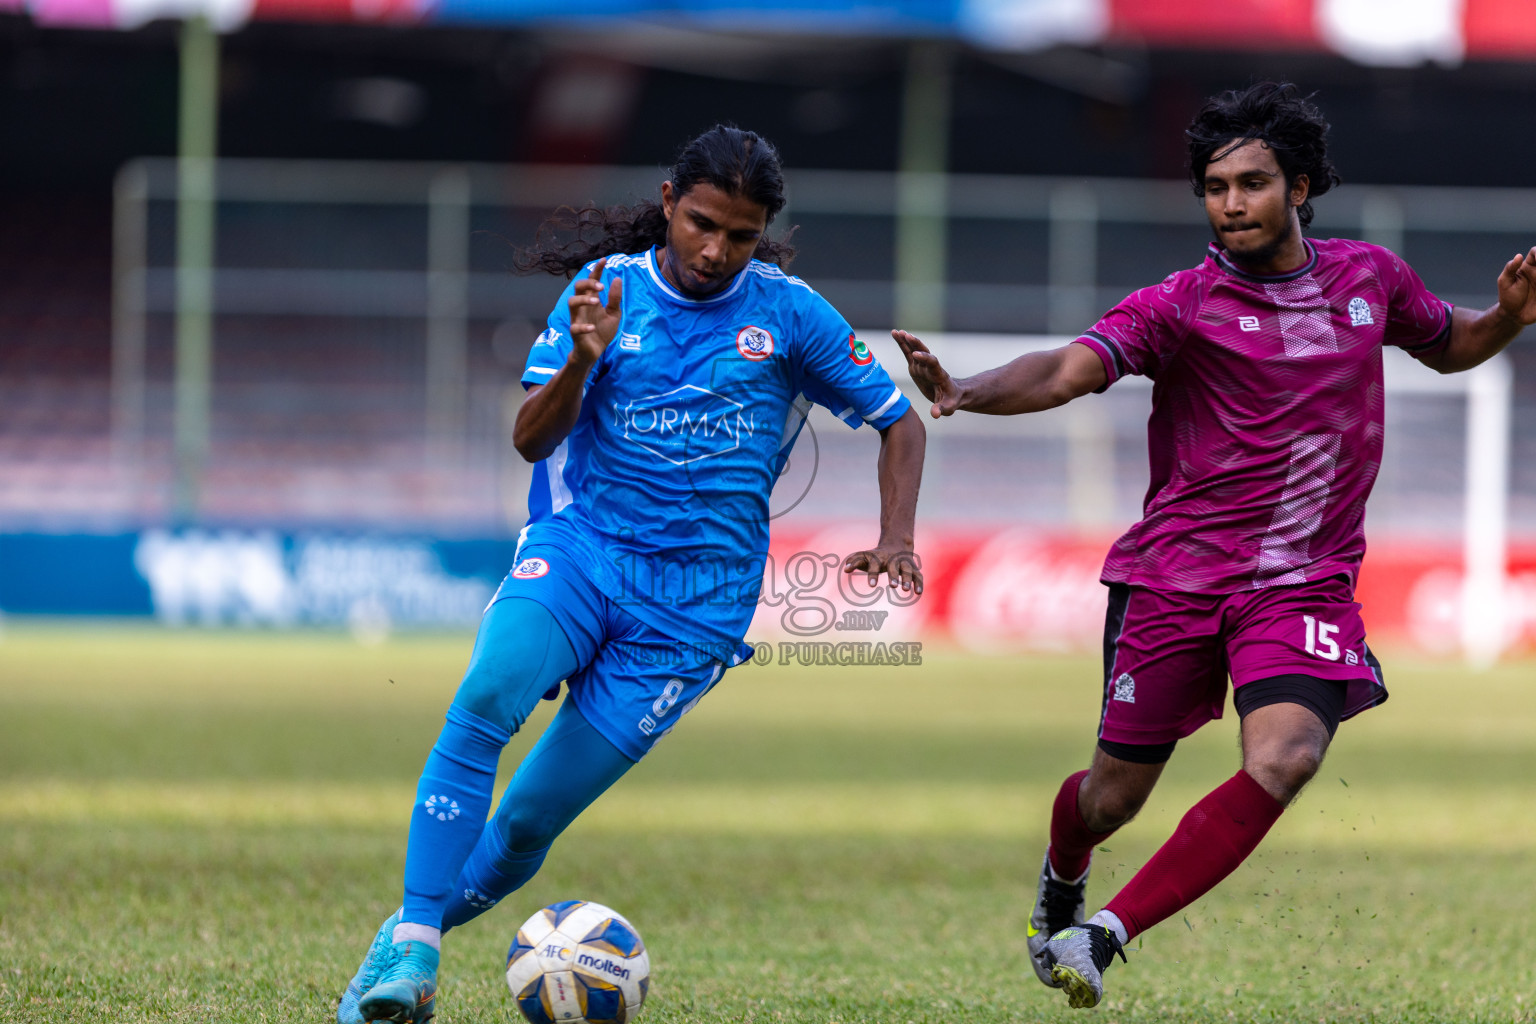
(1167, 654)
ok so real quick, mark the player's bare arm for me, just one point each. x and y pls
(1478, 336)
(902, 445)
(1030, 383)
(549, 411)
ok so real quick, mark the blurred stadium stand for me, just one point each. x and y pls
(322, 415)
(320, 391)
(55, 322)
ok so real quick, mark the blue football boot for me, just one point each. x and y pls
(407, 991)
(380, 956)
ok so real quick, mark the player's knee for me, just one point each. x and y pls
(1300, 764)
(1122, 809)
(482, 700)
(1105, 809)
(1287, 768)
(492, 697)
(529, 828)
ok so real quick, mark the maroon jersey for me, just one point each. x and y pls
(1266, 426)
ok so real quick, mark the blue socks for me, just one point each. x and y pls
(570, 766)
(520, 652)
(491, 873)
(457, 865)
(452, 800)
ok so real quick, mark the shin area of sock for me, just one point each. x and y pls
(1212, 839)
(452, 801)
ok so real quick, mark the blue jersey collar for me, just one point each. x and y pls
(672, 293)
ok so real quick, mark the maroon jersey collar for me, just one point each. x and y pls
(1219, 255)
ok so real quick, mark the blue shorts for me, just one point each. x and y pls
(634, 682)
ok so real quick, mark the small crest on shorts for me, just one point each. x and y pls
(1360, 312)
(1125, 688)
(530, 569)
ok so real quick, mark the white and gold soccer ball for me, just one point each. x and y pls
(578, 963)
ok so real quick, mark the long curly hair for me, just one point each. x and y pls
(1276, 114)
(737, 162)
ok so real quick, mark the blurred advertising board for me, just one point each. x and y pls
(995, 591)
(254, 578)
(1003, 591)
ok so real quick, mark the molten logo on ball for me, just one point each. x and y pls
(578, 963)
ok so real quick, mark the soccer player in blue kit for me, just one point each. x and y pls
(663, 400)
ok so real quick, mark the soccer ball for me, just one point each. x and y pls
(578, 963)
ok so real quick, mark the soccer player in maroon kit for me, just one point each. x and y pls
(1264, 439)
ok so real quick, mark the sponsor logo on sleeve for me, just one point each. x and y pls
(549, 337)
(1360, 312)
(859, 352)
(754, 343)
(530, 569)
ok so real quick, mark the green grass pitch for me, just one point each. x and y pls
(208, 827)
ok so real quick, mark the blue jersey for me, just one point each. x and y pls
(660, 492)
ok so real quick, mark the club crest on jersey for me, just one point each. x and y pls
(754, 343)
(1360, 312)
(530, 569)
(859, 352)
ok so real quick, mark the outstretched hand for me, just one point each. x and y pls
(901, 566)
(929, 375)
(1517, 288)
(594, 323)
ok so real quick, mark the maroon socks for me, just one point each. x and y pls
(1214, 837)
(1072, 842)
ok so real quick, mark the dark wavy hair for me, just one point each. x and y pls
(737, 162)
(1276, 114)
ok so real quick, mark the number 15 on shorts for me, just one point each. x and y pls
(1320, 638)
